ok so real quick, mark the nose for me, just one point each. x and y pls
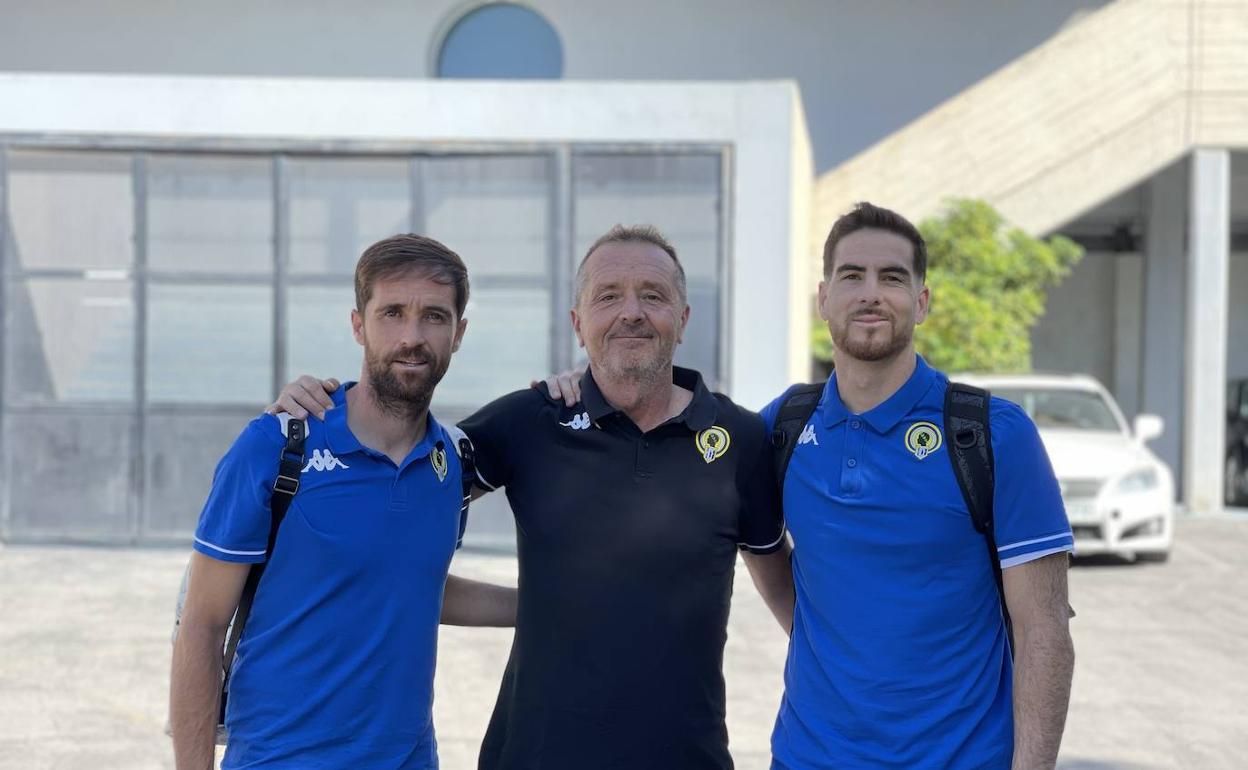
(630, 308)
(413, 334)
(869, 291)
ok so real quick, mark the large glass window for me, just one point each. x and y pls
(69, 340)
(681, 195)
(151, 299)
(495, 212)
(70, 210)
(340, 206)
(210, 214)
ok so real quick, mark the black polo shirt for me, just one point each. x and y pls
(627, 544)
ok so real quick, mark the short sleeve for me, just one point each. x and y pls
(495, 430)
(761, 520)
(1029, 518)
(234, 523)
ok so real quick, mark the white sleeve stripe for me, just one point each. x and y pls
(487, 485)
(1022, 543)
(783, 532)
(1014, 561)
(227, 550)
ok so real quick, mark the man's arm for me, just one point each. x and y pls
(473, 603)
(212, 595)
(772, 574)
(1044, 658)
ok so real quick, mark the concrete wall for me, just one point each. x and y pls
(1077, 332)
(865, 68)
(1098, 108)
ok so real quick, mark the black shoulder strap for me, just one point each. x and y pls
(290, 466)
(969, 439)
(795, 411)
(467, 474)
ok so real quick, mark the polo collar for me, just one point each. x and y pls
(343, 442)
(893, 410)
(698, 415)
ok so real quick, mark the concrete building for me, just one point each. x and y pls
(185, 188)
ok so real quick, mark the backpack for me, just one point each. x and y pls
(290, 467)
(968, 439)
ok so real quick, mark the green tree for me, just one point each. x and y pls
(989, 282)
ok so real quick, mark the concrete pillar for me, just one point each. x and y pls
(1161, 373)
(1208, 279)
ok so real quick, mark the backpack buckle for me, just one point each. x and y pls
(287, 485)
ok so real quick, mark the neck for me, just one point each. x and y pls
(649, 403)
(864, 385)
(392, 429)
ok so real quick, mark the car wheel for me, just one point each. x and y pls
(1153, 557)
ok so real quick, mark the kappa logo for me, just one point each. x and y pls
(808, 435)
(579, 422)
(322, 460)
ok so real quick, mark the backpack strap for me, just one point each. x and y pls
(467, 473)
(795, 411)
(969, 440)
(290, 466)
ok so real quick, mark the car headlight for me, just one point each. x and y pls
(1140, 480)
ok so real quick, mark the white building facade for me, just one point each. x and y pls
(185, 189)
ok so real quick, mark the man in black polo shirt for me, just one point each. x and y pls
(630, 507)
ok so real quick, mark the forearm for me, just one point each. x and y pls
(1044, 665)
(195, 686)
(474, 603)
(772, 575)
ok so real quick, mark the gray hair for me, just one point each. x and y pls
(635, 234)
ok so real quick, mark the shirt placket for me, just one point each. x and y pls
(855, 449)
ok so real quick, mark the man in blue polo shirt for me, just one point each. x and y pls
(899, 655)
(335, 669)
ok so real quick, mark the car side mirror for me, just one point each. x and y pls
(1148, 427)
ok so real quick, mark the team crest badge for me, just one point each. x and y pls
(712, 443)
(922, 439)
(437, 458)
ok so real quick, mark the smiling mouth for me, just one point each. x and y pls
(411, 364)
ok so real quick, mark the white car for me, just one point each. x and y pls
(1119, 496)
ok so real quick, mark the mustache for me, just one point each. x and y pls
(419, 354)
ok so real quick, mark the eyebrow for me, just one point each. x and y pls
(889, 270)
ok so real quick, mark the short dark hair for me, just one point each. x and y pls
(866, 216)
(635, 234)
(409, 252)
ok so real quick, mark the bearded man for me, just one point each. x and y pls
(900, 655)
(335, 666)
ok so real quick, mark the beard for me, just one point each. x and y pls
(404, 394)
(879, 345)
(638, 366)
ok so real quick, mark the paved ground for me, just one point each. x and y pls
(1161, 681)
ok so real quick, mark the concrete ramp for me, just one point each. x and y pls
(1104, 104)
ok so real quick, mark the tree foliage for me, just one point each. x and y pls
(989, 282)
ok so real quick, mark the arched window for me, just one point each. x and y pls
(500, 40)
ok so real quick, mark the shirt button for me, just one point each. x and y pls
(855, 425)
(852, 463)
(645, 445)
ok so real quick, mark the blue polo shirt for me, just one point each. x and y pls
(899, 655)
(335, 668)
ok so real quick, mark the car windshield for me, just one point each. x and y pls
(1062, 408)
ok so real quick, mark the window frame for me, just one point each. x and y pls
(561, 266)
